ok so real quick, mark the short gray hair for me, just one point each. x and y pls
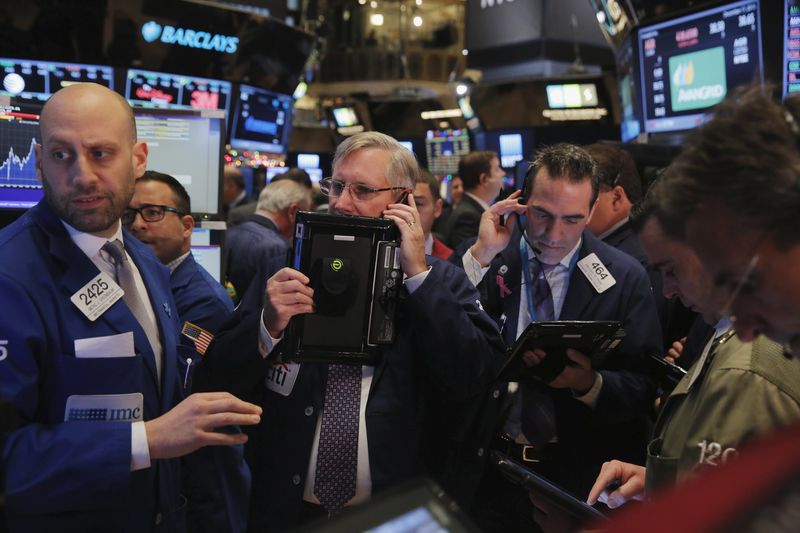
(403, 170)
(278, 196)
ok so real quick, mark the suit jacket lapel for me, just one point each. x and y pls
(580, 292)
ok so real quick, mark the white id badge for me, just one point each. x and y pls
(597, 273)
(96, 296)
(105, 407)
(281, 377)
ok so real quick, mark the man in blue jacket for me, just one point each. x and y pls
(549, 267)
(216, 481)
(93, 372)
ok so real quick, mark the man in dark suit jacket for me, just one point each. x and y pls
(100, 403)
(620, 188)
(412, 415)
(265, 237)
(592, 409)
(483, 181)
(216, 481)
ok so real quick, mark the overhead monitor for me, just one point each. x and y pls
(615, 18)
(510, 149)
(262, 120)
(628, 88)
(571, 95)
(345, 116)
(307, 161)
(34, 80)
(20, 188)
(444, 149)
(175, 91)
(791, 46)
(188, 145)
(690, 63)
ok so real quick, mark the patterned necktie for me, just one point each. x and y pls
(337, 456)
(131, 297)
(542, 295)
(537, 415)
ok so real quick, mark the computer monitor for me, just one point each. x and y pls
(791, 46)
(345, 116)
(628, 88)
(35, 80)
(145, 88)
(207, 252)
(689, 63)
(510, 149)
(408, 145)
(307, 161)
(444, 149)
(186, 144)
(262, 120)
(19, 133)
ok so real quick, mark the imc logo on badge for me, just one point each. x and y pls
(698, 79)
(151, 31)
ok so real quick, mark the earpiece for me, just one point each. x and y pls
(526, 189)
(523, 200)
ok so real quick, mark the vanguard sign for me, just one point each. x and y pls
(153, 31)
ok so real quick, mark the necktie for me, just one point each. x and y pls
(337, 455)
(542, 295)
(131, 297)
(537, 415)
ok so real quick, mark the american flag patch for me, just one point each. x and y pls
(201, 337)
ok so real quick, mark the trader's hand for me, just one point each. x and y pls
(190, 424)
(287, 295)
(578, 375)
(675, 351)
(628, 478)
(493, 234)
(412, 237)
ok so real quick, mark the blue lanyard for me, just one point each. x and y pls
(526, 272)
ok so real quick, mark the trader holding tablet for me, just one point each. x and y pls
(555, 269)
(92, 371)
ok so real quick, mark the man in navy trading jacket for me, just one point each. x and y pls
(446, 352)
(565, 428)
(216, 481)
(93, 371)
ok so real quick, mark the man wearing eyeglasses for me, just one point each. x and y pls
(413, 406)
(158, 215)
(92, 367)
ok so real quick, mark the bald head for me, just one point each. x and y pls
(92, 95)
(89, 158)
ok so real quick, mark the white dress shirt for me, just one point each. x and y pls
(91, 245)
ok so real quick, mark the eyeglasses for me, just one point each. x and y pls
(149, 213)
(335, 188)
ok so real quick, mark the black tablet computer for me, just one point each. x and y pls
(354, 267)
(416, 506)
(592, 338)
(531, 481)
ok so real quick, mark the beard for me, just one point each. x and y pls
(95, 220)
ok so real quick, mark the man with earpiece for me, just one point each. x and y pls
(535, 260)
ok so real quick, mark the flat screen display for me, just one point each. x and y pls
(32, 80)
(791, 46)
(262, 120)
(19, 133)
(510, 149)
(345, 116)
(571, 95)
(307, 161)
(444, 149)
(187, 145)
(690, 63)
(629, 93)
(175, 91)
(210, 258)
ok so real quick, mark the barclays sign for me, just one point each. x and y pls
(153, 31)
